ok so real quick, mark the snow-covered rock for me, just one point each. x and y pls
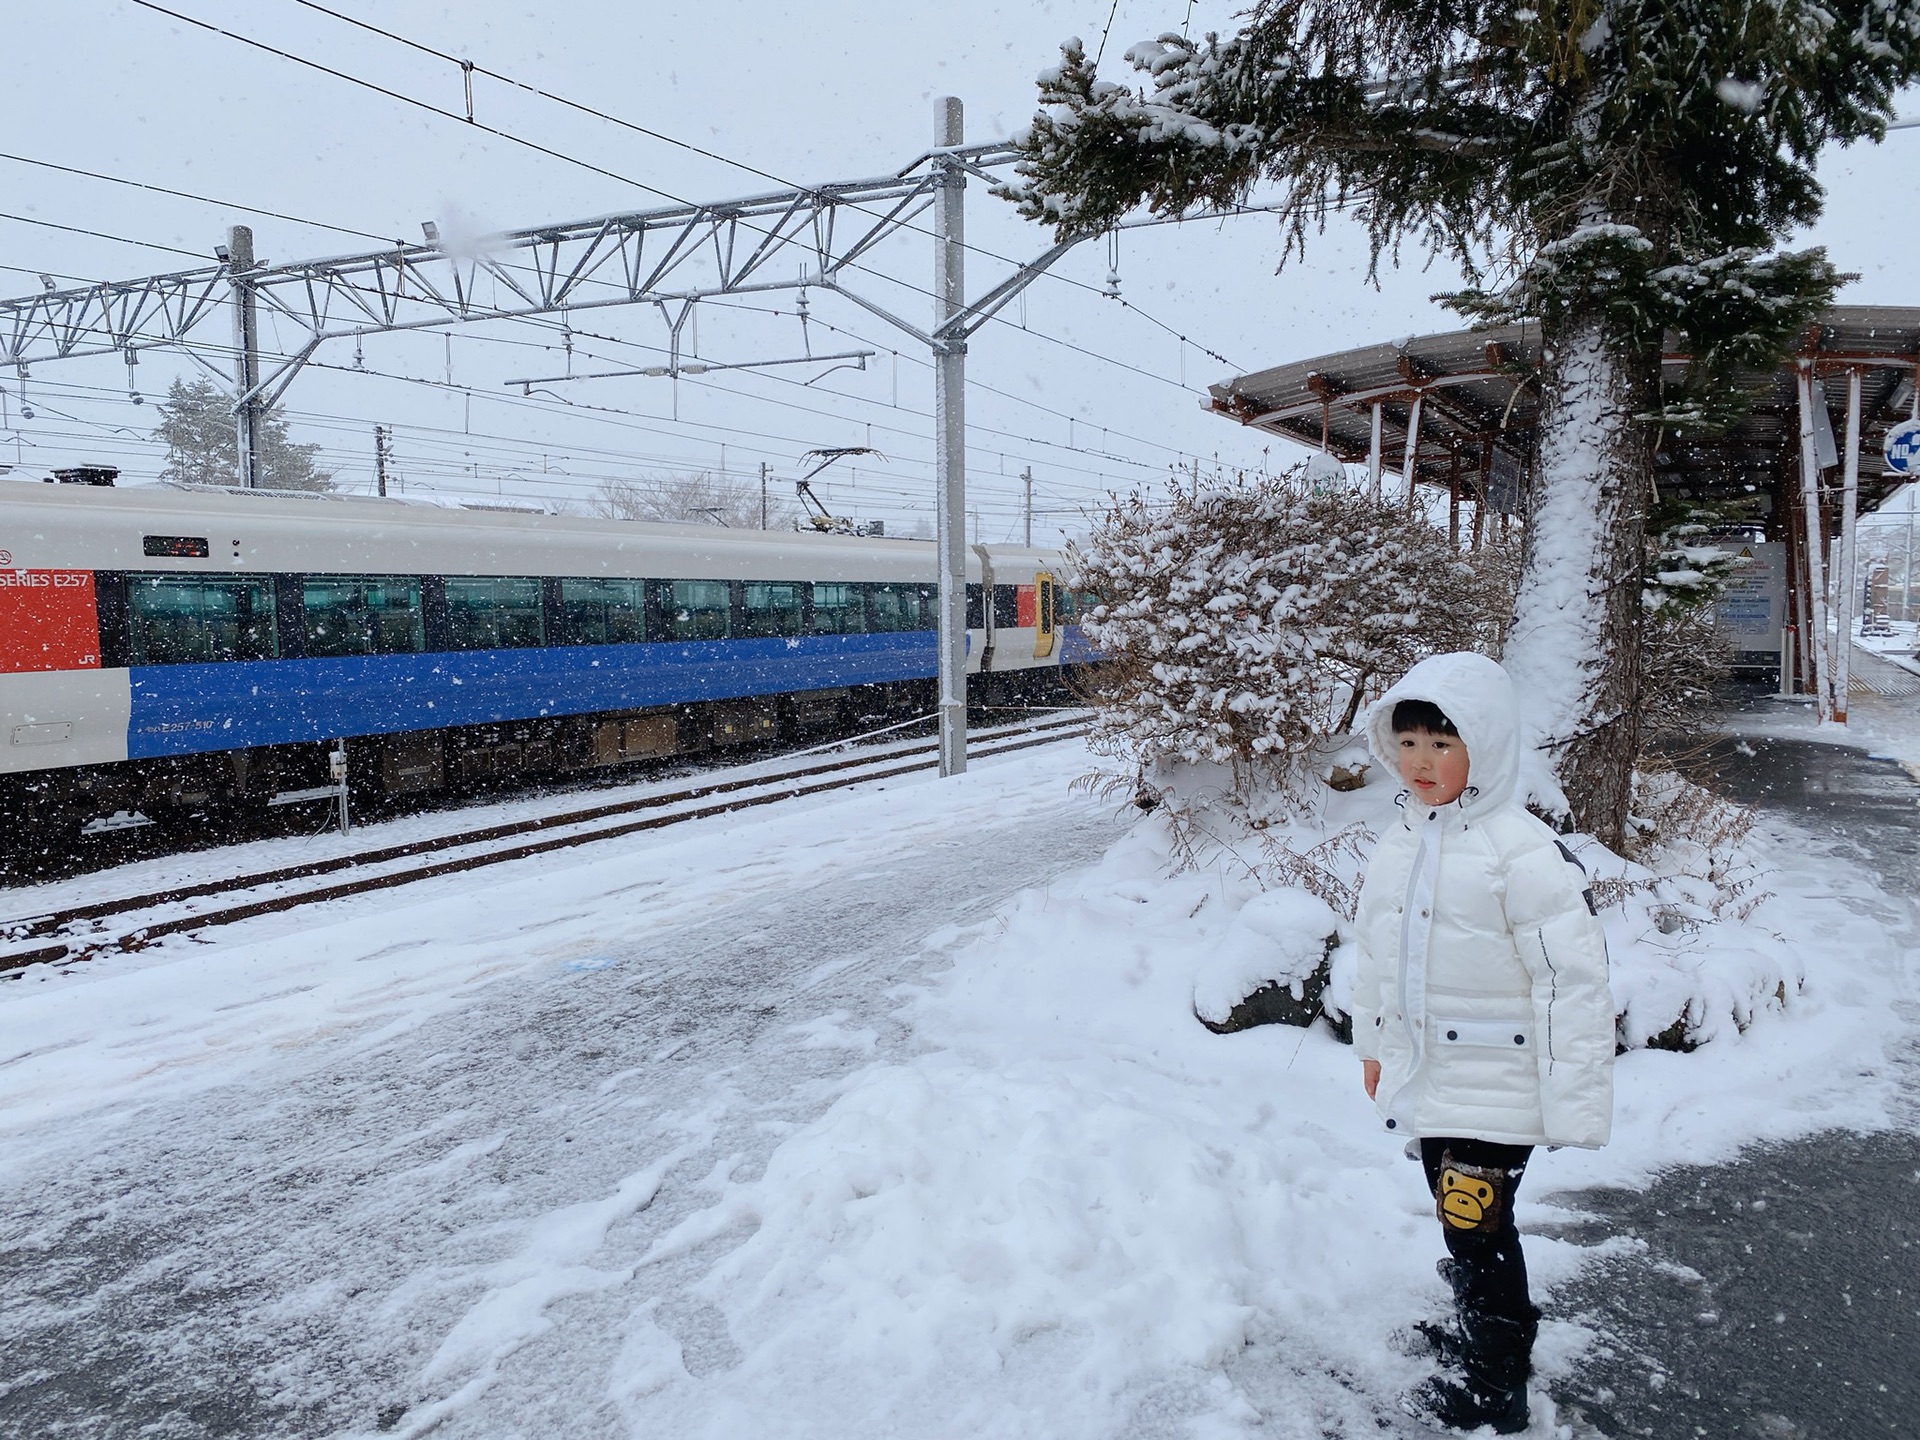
(1280, 944)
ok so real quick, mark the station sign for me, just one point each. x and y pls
(1902, 450)
(1751, 610)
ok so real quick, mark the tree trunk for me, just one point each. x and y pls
(1574, 647)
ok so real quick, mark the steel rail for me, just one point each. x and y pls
(28, 926)
(137, 937)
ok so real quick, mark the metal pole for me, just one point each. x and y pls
(380, 458)
(763, 494)
(1797, 597)
(246, 355)
(1026, 476)
(1373, 456)
(1453, 498)
(1844, 563)
(1480, 492)
(337, 772)
(950, 443)
(1816, 641)
(1906, 585)
(1413, 446)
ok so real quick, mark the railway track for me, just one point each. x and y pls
(80, 932)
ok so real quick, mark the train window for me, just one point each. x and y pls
(895, 607)
(604, 612)
(838, 610)
(363, 615)
(976, 608)
(1006, 607)
(181, 619)
(493, 612)
(772, 608)
(697, 609)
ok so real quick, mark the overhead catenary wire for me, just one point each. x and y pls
(517, 139)
(189, 195)
(472, 67)
(976, 427)
(1104, 456)
(100, 235)
(406, 99)
(1099, 478)
(633, 421)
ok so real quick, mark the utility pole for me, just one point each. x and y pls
(950, 442)
(1026, 475)
(763, 494)
(246, 355)
(380, 459)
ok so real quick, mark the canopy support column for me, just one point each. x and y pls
(1373, 455)
(1816, 566)
(1413, 447)
(1844, 562)
(1453, 497)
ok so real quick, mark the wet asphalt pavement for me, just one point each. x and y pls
(1777, 1298)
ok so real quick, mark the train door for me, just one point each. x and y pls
(1043, 615)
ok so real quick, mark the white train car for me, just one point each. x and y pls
(176, 649)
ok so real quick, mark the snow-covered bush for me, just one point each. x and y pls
(1246, 620)
(1702, 961)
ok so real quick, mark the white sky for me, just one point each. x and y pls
(809, 93)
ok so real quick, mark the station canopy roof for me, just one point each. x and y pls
(1480, 407)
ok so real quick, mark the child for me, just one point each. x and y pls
(1482, 1012)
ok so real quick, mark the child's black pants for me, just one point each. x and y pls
(1473, 1183)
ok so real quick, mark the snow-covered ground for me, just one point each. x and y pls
(324, 841)
(1896, 641)
(1881, 724)
(883, 1114)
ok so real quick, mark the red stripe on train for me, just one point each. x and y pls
(48, 621)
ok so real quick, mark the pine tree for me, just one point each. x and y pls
(1618, 170)
(196, 425)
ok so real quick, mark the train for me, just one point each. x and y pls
(176, 651)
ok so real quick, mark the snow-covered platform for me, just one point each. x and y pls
(884, 1114)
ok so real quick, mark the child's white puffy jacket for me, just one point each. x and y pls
(1482, 986)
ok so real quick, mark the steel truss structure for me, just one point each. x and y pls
(805, 237)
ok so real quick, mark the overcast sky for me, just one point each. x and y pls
(806, 93)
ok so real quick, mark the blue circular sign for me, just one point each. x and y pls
(1903, 449)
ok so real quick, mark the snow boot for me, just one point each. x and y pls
(1455, 1403)
(1489, 1385)
(1446, 1340)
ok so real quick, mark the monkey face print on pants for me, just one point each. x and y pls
(1470, 1197)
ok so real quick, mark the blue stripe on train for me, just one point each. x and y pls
(184, 709)
(1075, 648)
